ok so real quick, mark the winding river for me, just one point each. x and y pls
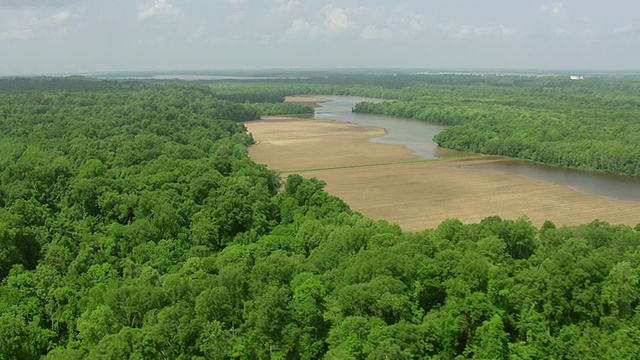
(416, 135)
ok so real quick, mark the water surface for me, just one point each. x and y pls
(414, 134)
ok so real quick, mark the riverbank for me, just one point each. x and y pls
(388, 182)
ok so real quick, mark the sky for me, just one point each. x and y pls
(86, 36)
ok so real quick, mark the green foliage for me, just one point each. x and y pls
(133, 226)
(282, 108)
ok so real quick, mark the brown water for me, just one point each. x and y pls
(417, 135)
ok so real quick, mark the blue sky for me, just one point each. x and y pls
(75, 36)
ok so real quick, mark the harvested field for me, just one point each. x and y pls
(294, 144)
(389, 182)
(306, 100)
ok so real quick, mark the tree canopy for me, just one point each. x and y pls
(133, 225)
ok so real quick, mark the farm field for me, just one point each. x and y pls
(389, 182)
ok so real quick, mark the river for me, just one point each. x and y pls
(417, 135)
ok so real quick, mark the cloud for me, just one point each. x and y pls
(157, 8)
(507, 31)
(61, 16)
(336, 20)
(286, 6)
(556, 9)
(329, 22)
(301, 29)
(416, 23)
(37, 3)
(299, 26)
(357, 23)
(27, 23)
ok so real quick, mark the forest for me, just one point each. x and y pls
(133, 225)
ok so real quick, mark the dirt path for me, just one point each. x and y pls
(390, 182)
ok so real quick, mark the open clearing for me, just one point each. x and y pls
(390, 182)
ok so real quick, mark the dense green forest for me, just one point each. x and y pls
(133, 225)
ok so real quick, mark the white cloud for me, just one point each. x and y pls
(416, 24)
(61, 16)
(157, 8)
(336, 20)
(299, 26)
(301, 29)
(556, 9)
(507, 31)
(286, 6)
(383, 23)
(329, 22)
(32, 22)
(464, 30)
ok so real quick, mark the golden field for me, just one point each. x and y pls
(390, 182)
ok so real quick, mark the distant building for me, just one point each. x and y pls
(576, 77)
